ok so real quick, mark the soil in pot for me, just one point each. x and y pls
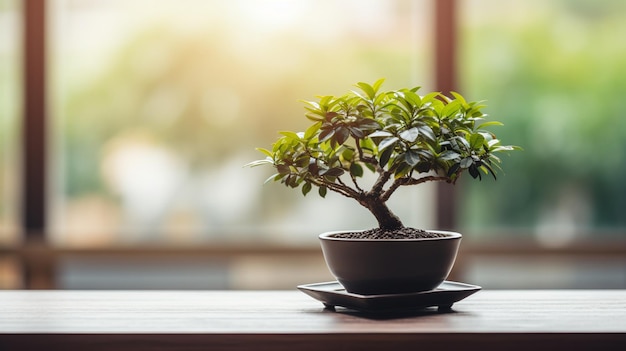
(382, 234)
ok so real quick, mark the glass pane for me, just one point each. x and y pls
(554, 73)
(158, 104)
(10, 35)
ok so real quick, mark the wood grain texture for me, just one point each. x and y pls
(290, 320)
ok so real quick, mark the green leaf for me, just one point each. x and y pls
(290, 135)
(467, 162)
(385, 143)
(476, 141)
(302, 161)
(330, 115)
(409, 135)
(377, 84)
(411, 157)
(488, 136)
(490, 123)
(367, 89)
(367, 144)
(493, 142)
(322, 191)
(359, 95)
(356, 133)
(325, 102)
(341, 135)
(312, 130)
(306, 187)
(486, 166)
(313, 117)
(427, 132)
(407, 107)
(314, 168)
(506, 148)
(315, 112)
(356, 170)
(449, 155)
(460, 99)
(385, 156)
(326, 134)
(450, 109)
(413, 98)
(283, 169)
(368, 124)
(402, 170)
(347, 154)
(494, 160)
(425, 154)
(266, 152)
(380, 133)
(290, 181)
(334, 172)
(380, 99)
(462, 140)
(430, 97)
(314, 105)
(273, 177)
(453, 169)
(473, 171)
(259, 162)
(423, 167)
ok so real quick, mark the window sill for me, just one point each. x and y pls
(290, 320)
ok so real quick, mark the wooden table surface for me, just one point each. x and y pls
(291, 320)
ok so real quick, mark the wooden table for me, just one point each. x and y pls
(290, 320)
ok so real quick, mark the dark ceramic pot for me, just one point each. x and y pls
(372, 267)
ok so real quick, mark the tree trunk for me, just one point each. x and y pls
(386, 219)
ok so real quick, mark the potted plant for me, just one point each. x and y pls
(404, 139)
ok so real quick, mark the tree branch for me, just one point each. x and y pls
(356, 184)
(410, 181)
(370, 160)
(377, 188)
(341, 183)
(338, 188)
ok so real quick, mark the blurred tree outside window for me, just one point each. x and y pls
(9, 110)
(554, 73)
(157, 105)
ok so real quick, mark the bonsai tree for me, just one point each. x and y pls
(404, 138)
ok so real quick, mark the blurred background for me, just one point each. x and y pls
(153, 107)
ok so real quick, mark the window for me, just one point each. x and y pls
(153, 107)
(144, 102)
(553, 72)
(157, 105)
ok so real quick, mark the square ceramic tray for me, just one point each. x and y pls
(333, 294)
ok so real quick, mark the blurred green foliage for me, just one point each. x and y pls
(556, 76)
(212, 93)
(213, 102)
